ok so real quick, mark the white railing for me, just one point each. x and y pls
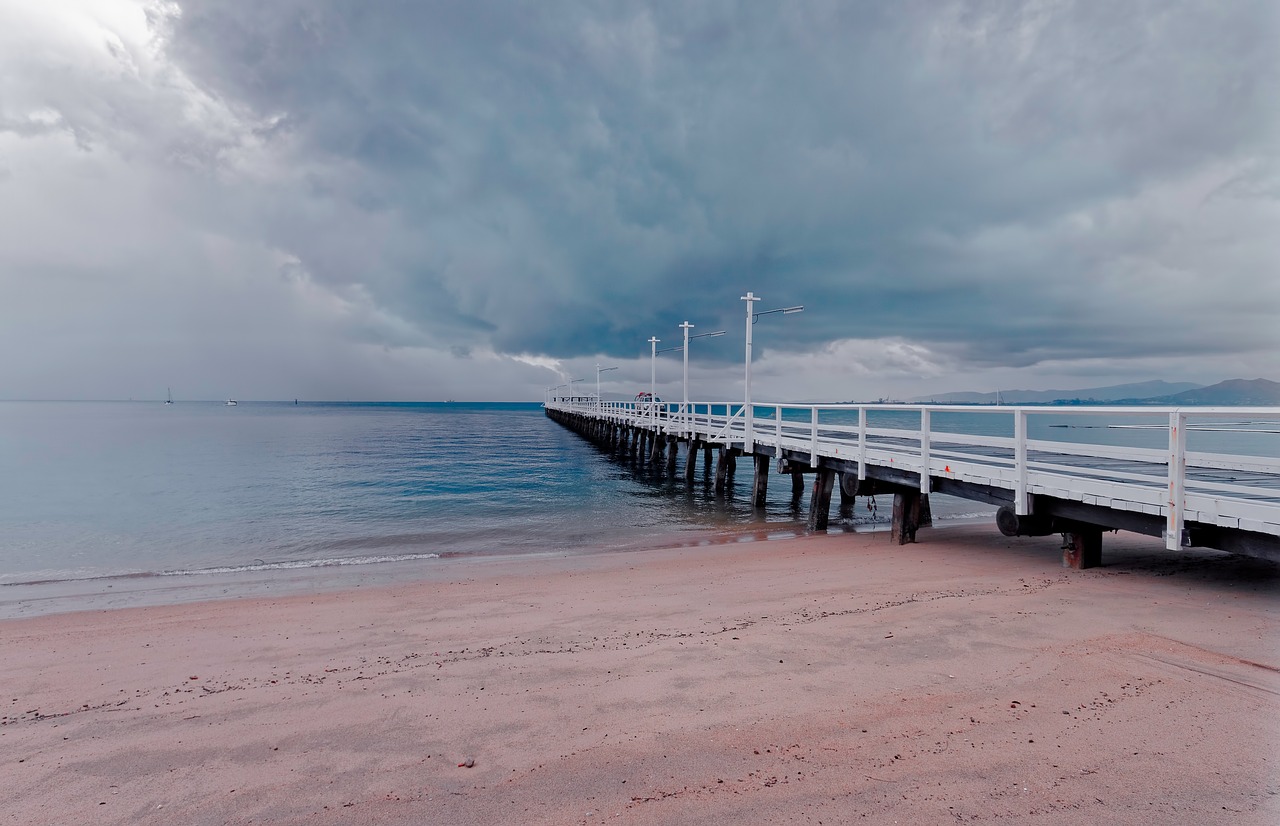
(1234, 484)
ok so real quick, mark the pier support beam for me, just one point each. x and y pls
(1082, 548)
(706, 460)
(673, 450)
(910, 513)
(848, 494)
(656, 443)
(797, 489)
(820, 499)
(725, 466)
(691, 462)
(760, 484)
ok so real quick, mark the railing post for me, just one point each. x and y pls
(778, 433)
(1021, 501)
(925, 472)
(862, 443)
(813, 437)
(1174, 539)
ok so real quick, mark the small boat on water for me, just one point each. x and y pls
(169, 400)
(232, 402)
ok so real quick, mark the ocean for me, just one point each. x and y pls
(115, 503)
(112, 503)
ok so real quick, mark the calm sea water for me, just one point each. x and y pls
(94, 492)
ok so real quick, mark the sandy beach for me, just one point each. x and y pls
(824, 679)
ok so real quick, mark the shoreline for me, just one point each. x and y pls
(816, 678)
(290, 577)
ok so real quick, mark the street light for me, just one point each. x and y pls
(653, 371)
(600, 370)
(686, 326)
(748, 414)
(571, 381)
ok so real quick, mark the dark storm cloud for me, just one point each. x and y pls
(948, 187)
(567, 178)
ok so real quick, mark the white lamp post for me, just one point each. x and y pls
(653, 390)
(571, 396)
(747, 412)
(686, 326)
(653, 372)
(600, 370)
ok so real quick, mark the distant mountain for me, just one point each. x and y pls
(1230, 393)
(1115, 392)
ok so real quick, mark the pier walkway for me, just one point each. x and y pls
(1198, 477)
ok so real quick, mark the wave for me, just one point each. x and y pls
(259, 565)
(249, 567)
(958, 517)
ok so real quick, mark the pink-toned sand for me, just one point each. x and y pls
(967, 678)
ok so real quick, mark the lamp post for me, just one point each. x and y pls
(653, 371)
(571, 396)
(600, 370)
(747, 412)
(686, 326)
(652, 390)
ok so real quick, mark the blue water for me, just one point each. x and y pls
(94, 491)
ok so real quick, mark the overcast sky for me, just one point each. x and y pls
(344, 199)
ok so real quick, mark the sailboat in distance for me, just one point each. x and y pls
(169, 400)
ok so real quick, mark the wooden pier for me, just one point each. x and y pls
(1228, 501)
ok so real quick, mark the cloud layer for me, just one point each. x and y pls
(430, 200)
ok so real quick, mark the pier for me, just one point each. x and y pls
(1075, 471)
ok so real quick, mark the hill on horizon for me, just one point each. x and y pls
(1229, 393)
(1115, 392)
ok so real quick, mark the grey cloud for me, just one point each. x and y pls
(613, 167)
(1006, 184)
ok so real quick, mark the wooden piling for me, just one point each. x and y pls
(797, 488)
(723, 472)
(673, 449)
(820, 499)
(760, 483)
(1083, 548)
(691, 462)
(848, 493)
(926, 513)
(906, 515)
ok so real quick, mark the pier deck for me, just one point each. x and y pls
(1071, 470)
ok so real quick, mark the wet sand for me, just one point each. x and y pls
(967, 678)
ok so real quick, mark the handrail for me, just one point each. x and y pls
(1195, 484)
(728, 424)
